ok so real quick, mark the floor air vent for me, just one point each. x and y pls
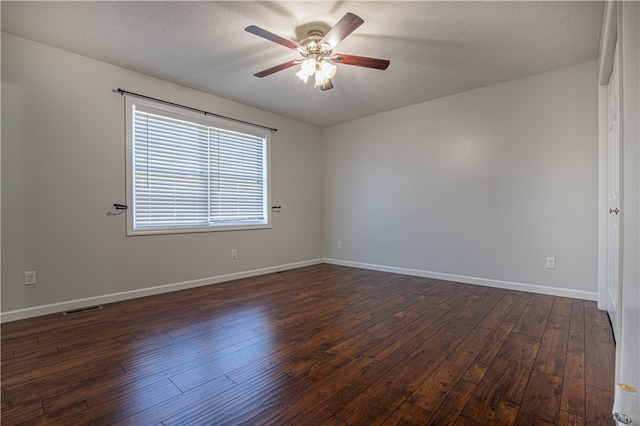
(82, 310)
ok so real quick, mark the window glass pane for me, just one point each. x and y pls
(237, 185)
(188, 174)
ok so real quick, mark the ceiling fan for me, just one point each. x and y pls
(317, 54)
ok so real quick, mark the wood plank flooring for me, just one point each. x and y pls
(322, 345)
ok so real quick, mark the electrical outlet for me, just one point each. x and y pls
(551, 263)
(234, 254)
(339, 244)
(29, 277)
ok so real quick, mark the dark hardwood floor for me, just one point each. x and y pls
(322, 345)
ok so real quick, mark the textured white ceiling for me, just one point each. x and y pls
(435, 48)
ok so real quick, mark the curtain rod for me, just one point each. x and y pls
(125, 92)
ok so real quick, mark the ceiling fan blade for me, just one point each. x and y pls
(342, 29)
(272, 37)
(277, 68)
(328, 85)
(361, 61)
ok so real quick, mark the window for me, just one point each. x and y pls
(188, 172)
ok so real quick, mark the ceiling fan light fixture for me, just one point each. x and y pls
(302, 75)
(307, 68)
(321, 78)
(324, 72)
(328, 69)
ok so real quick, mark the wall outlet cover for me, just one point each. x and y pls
(30, 277)
(551, 263)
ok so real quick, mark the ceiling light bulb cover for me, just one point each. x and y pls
(307, 68)
(321, 78)
(328, 69)
(302, 75)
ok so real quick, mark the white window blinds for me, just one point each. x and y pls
(190, 174)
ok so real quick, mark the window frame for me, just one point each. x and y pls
(178, 113)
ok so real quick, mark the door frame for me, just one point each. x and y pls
(608, 40)
(607, 52)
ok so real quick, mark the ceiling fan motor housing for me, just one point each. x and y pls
(312, 46)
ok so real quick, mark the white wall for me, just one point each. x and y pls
(480, 187)
(63, 168)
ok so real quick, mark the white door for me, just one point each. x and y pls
(613, 192)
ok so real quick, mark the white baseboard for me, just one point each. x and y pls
(125, 295)
(115, 297)
(531, 288)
